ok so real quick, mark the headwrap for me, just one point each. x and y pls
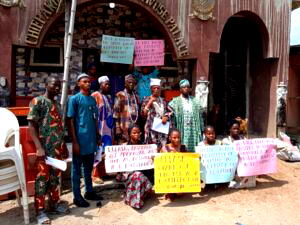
(129, 77)
(82, 75)
(155, 82)
(103, 79)
(184, 83)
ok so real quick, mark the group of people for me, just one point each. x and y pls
(95, 121)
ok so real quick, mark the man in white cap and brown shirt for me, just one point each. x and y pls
(155, 106)
(105, 122)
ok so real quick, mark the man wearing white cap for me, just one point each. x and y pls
(186, 116)
(155, 106)
(105, 122)
(82, 117)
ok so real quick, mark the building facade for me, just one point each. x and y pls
(239, 47)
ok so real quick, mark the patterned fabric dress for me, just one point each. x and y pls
(153, 137)
(137, 186)
(46, 114)
(186, 116)
(126, 112)
(105, 117)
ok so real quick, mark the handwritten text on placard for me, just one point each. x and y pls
(177, 173)
(256, 156)
(117, 49)
(218, 163)
(122, 158)
(149, 53)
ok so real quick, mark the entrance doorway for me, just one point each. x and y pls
(236, 74)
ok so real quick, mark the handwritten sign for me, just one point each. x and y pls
(256, 156)
(218, 163)
(177, 173)
(149, 52)
(117, 49)
(122, 158)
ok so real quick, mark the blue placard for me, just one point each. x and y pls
(117, 49)
(218, 163)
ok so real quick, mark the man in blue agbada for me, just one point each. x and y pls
(187, 116)
(82, 117)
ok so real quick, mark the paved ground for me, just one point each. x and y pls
(275, 200)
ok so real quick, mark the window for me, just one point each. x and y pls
(47, 56)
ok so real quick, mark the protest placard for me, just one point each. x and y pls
(122, 158)
(177, 173)
(256, 156)
(218, 163)
(117, 49)
(149, 52)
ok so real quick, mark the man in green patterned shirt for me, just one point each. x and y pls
(47, 132)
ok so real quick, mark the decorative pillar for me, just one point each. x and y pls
(201, 93)
(281, 107)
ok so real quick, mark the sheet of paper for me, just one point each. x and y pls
(98, 156)
(158, 126)
(59, 164)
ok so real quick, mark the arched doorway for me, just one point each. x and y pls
(240, 76)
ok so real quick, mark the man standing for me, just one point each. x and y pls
(47, 132)
(105, 122)
(82, 115)
(153, 107)
(186, 116)
(143, 80)
(126, 109)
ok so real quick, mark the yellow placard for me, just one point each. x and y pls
(177, 173)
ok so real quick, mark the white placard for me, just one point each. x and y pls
(126, 158)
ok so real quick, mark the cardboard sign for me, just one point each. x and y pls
(256, 156)
(117, 49)
(218, 163)
(126, 158)
(177, 173)
(149, 52)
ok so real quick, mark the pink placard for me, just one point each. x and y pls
(256, 156)
(149, 52)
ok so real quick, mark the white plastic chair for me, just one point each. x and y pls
(12, 173)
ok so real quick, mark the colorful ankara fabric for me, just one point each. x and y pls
(137, 186)
(105, 117)
(46, 114)
(153, 137)
(83, 109)
(126, 111)
(143, 83)
(186, 116)
(46, 182)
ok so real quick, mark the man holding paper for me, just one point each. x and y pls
(186, 116)
(154, 109)
(47, 132)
